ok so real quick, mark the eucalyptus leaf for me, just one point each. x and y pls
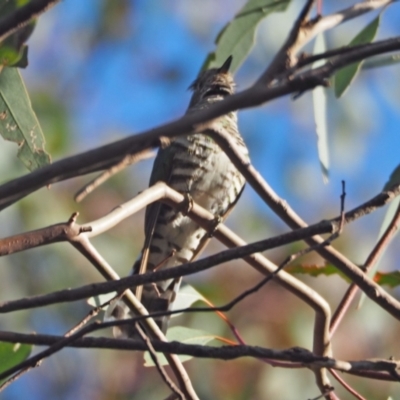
(12, 354)
(18, 121)
(319, 103)
(237, 37)
(186, 296)
(345, 76)
(13, 51)
(391, 279)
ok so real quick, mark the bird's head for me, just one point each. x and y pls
(213, 84)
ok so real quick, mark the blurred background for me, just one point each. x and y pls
(101, 70)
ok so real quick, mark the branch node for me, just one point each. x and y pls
(73, 218)
(84, 229)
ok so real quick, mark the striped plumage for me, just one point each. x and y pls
(196, 165)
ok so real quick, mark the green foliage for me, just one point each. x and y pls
(237, 37)
(54, 120)
(391, 279)
(12, 354)
(13, 51)
(183, 335)
(346, 75)
(313, 270)
(18, 122)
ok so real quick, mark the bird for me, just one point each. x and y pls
(197, 167)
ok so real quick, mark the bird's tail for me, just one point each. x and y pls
(155, 300)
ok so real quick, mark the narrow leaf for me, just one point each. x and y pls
(12, 354)
(13, 51)
(346, 75)
(391, 279)
(237, 37)
(319, 103)
(183, 335)
(312, 270)
(18, 121)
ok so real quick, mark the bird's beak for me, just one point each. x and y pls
(225, 66)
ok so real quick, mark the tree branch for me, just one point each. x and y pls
(294, 355)
(23, 15)
(106, 156)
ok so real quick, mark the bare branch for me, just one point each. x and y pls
(106, 156)
(288, 215)
(95, 183)
(295, 355)
(82, 244)
(345, 385)
(305, 30)
(376, 252)
(23, 15)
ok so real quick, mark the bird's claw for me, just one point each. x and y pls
(214, 225)
(187, 204)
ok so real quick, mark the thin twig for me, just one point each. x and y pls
(158, 365)
(345, 385)
(83, 245)
(71, 331)
(372, 258)
(108, 155)
(95, 183)
(284, 58)
(23, 15)
(226, 352)
(18, 375)
(156, 276)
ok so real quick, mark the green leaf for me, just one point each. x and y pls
(312, 270)
(12, 354)
(346, 75)
(186, 296)
(18, 122)
(316, 270)
(319, 103)
(237, 38)
(13, 52)
(391, 279)
(183, 335)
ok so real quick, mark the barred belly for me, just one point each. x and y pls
(201, 169)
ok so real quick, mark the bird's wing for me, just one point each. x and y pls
(161, 172)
